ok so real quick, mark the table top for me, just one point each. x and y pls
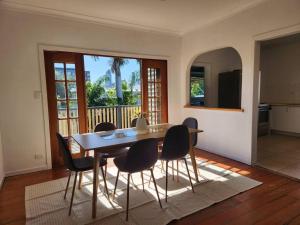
(107, 140)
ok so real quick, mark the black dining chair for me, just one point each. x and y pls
(104, 126)
(191, 122)
(141, 156)
(77, 165)
(107, 126)
(175, 147)
(133, 122)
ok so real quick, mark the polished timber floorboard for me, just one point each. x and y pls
(277, 201)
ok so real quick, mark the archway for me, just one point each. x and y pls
(215, 79)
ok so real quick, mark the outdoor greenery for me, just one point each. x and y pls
(121, 94)
(197, 87)
(98, 96)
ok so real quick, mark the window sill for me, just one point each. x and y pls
(212, 108)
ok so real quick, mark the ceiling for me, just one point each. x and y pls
(170, 16)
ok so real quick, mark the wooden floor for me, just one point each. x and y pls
(277, 201)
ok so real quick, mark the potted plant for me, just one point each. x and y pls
(141, 123)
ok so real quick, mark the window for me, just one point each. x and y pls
(197, 86)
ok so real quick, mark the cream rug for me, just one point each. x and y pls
(45, 204)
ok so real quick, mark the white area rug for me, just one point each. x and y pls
(45, 204)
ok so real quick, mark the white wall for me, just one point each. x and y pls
(21, 115)
(2, 175)
(215, 62)
(285, 118)
(280, 73)
(233, 134)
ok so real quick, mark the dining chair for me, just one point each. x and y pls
(133, 122)
(141, 156)
(175, 147)
(77, 165)
(104, 126)
(191, 122)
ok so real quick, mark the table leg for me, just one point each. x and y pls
(82, 154)
(193, 159)
(95, 184)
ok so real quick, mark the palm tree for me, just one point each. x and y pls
(116, 64)
(135, 78)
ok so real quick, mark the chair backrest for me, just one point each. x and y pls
(133, 122)
(142, 155)
(176, 143)
(64, 148)
(105, 126)
(191, 122)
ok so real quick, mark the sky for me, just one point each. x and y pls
(99, 67)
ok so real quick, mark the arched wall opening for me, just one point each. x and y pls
(215, 79)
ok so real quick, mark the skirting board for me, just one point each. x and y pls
(285, 133)
(29, 170)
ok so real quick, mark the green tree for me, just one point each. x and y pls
(134, 79)
(95, 93)
(122, 94)
(197, 88)
(111, 97)
(129, 98)
(116, 64)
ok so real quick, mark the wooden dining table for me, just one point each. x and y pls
(109, 141)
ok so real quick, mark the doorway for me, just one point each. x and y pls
(278, 143)
(84, 90)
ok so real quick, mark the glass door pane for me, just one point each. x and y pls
(154, 98)
(67, 102)
(155, 90)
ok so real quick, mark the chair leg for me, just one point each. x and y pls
(187, 169)
(173, 176)
(116, 183)
(67, 187)
(152, 175)
(166, 197)
(177, 166)
(150, 178)
(142, 175)
(127, 204)
(105, 171)
(104, 180)
(71, 203)
(162, 166)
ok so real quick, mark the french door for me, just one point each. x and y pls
(155, 94)
(66, 99)
(66, 77)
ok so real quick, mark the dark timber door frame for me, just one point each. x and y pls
(74, 120)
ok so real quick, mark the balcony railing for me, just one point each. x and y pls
(121, 115)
